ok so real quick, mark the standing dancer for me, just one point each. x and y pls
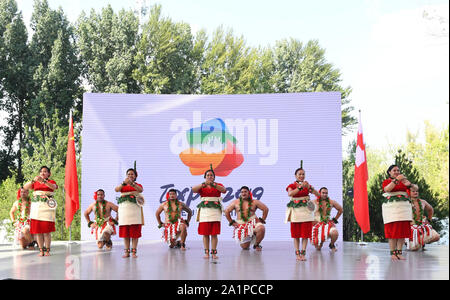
(299, 211)
(324, 227)
(248, 228)
(103, 226)
(174, 225)
(396, 209)
(131, 215)
(22, 233)
(43, 209)
(421, 231)
(209, 213)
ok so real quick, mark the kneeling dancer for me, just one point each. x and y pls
(174, 225)
(325, 228)
(248, 228)
(104, 225)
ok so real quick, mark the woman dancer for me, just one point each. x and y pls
(43, 209)
(396, 209)
(130, 213)
(209, 213)
(298, 212)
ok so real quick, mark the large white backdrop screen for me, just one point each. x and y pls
(272, 132)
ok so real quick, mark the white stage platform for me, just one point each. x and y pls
(276, 262)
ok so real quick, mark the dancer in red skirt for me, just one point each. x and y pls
(131, 216)
(43, 209)
(174, 225)
(209, 213)
(298, 212)
(396, 209)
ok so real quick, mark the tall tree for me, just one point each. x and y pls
(226, 67)
(107, 44)
(165, 60)
(56, 68)
(14, 85)
(299, 68)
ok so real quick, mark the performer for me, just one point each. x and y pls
(174, 225)
(248, 229)
(421, 231)
(43, 209)
(131, 215)
(396, 210)
(103, 226)
(298, 212)
(325, 228)
(209, 214)
(22, 233)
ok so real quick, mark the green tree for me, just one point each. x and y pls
(227, 67)
(108, 44)
(432, 159)
(14, 86)
(299, 68)
(165, 59)
(56, 68)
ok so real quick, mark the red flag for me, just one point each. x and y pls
(360, 200)
(71, 180)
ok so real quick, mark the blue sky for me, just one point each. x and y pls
(394, 54)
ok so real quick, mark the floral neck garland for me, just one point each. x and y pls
(100, 219)
(27, 210)
(417, 218)
(170, 210)
(243, 217)
(328, 205)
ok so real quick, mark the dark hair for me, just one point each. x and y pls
(48, 169)
(100, 190)
(323, 188)
(172, 190)
(390, 169)
(131, 169)
(204, 176)
(244, 188)
(298, 170)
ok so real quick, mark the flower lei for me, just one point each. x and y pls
(98, 219)
(324, 218)
(177, 215)
(27, 210)
(417, 218)
(243, 217)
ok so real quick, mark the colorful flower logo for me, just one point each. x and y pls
(211, 143)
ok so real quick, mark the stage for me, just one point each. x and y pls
(82, 260)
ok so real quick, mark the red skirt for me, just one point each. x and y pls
(301, 230)
(397, 230)
(209, 228)
(130, 231)
(37, 227)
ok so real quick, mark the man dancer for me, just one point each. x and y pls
(421, 231)
(103, 226)
(325, 228)
(174, 225)
(22, 223)
(248, 228)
